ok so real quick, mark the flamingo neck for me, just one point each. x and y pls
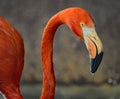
(48, 88)
(10, 91)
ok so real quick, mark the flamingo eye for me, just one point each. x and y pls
(82, 24)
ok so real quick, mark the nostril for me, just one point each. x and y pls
(94, 38)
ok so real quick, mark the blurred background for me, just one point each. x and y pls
(71, 60)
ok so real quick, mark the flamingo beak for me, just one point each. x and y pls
(94, 46)
(95, 62)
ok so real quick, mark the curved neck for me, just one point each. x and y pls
(48, 88)
(10, 91)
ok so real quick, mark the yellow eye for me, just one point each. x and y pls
(82, 24)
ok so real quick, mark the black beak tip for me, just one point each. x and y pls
(96, 62)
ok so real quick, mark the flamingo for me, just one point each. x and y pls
(12, 51)
(11, 60)
(82, 25)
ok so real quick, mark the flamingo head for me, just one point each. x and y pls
(94, 46)
(82, 24)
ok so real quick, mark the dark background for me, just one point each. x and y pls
(71, 61)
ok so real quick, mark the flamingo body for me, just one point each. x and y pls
(11, 60)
